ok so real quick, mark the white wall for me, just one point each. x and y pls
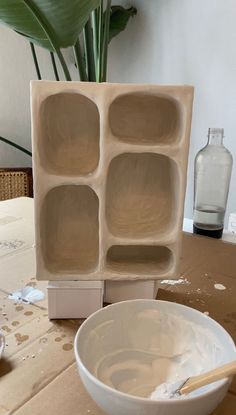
(168, 42)
(16, 71)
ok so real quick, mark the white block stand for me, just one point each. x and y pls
(115, 291)
(74, 299)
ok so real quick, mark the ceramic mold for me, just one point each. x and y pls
(110, 164)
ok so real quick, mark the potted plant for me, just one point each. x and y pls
(87, 26)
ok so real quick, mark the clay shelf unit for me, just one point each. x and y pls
(110, 165)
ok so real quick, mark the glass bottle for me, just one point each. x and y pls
(212, 173)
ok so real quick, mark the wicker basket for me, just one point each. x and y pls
(15, 183)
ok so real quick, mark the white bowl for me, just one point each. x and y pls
(122, 326)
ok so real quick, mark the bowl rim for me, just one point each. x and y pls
(134, 398)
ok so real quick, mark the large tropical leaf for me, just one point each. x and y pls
(119, 19)
(47, 22)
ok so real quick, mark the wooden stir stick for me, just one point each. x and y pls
(206, 378)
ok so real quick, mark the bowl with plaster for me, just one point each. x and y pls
(130, 353)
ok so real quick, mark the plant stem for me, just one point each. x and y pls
(88, 50)
(100, 31)
(11, 143)
(54, 66)
(94, 16)
(36, 64)
(49, 31)
(80, 61)
(63, 64)
(105, 41)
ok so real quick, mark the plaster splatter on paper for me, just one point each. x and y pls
(175, 282)
(219, 287)
(4, 220)
(2, 343)
(20, 338)
(27, 295)
(11, 244)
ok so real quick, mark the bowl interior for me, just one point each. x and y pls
(134, 346)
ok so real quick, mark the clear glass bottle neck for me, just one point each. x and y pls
(215, 136)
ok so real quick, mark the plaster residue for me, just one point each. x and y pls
(19, 308)
(20, 338)
(6, 329)
(159, 352)
(12, 244)
(167, 390)
(219, 287)
(4, 220)
(2, 343)
(67, 347)
(27, 295)
(28, 313)
(176, 282)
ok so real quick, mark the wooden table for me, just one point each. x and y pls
(38, 372)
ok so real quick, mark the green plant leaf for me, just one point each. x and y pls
(63, 18)
(119, 19)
